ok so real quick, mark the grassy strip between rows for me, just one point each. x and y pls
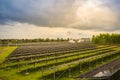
(60, 61)
(97, 66)
(52, 53)
(37, 75)
(5, 52)
(54, 57)
(49, 50)
(28, 57)
(58, 52)
(75, 65)
(57, 57)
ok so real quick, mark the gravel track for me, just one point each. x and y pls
(90, 74)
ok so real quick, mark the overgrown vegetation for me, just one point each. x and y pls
(4, 52)
(56, 62)
(106, 38)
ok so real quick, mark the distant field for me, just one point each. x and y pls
(58, 61)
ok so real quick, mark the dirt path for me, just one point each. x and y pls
(102, 68)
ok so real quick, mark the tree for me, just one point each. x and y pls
(106, 38)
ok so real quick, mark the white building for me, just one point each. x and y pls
(71, 41)
(79, 40)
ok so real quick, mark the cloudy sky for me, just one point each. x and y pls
(57, 18)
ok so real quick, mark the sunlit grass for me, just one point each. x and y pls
(13, 74)
(5, 51)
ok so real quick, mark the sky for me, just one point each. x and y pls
(57, 18)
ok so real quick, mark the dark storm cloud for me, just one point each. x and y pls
(38, 12)
(59, 13)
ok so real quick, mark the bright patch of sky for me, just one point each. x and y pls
(54, 18)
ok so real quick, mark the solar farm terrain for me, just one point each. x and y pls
(59, 39)
(54, 60)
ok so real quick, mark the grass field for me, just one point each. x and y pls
(4, 52)
(34, 63)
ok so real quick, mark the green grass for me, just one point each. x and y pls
(65, 67)
(74, 54)
(13, 73)
(5, 51)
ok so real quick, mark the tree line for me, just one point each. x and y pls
(106, 38)
(17, 41)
